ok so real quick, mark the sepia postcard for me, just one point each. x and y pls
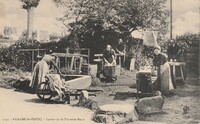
(99, 61)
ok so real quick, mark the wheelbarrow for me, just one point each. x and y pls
(75, 84)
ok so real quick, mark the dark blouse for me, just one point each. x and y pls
(108, 55)
(159, 59)
(173, 51)
(121, 46)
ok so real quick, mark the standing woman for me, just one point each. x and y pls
(164, 81)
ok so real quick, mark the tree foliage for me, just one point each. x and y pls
(122, 16)
(29, 3)
(101, 22)
(119, 15)
(185, 41)
(188, 39)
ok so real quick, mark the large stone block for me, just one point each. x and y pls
(149, 105)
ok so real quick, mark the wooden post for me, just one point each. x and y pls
(170, 19)
(119, 56)
(72, 63)
(88, 61)
(32, 60)
(80, 64)
(66, 61)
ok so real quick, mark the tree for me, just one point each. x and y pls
(100, 22)
(29, 5)
(119, 15)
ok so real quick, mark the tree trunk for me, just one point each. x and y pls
(30, 12)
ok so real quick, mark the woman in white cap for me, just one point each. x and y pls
(109, 56)
(164, 82)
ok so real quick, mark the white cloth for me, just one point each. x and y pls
(149, 39)
(166, 81)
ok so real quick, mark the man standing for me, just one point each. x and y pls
(121, 50)
(173, 51)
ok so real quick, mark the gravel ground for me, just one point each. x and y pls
(21, 108)
(187, 94)
(120, 92)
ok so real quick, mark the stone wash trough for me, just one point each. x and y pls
(77, 81)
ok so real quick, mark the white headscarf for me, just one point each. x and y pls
(47, 58)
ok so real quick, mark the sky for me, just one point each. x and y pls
(186, 16)
(12, 14)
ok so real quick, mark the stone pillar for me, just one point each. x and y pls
(199, 53)
(30, 21)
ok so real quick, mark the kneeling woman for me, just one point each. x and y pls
(41, 72)
(164, 81)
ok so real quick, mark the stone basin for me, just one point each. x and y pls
(77, 81)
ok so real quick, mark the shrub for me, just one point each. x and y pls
(13, 56)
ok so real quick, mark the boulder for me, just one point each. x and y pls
(149, 105)
(85, 102)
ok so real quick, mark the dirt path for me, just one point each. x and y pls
(23, 108)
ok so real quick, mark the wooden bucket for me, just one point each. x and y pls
(112, 71)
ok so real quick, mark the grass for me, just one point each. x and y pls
(9, 75)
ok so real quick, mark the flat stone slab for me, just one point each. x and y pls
(123, 108)
(147, 122)
(116, 113)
